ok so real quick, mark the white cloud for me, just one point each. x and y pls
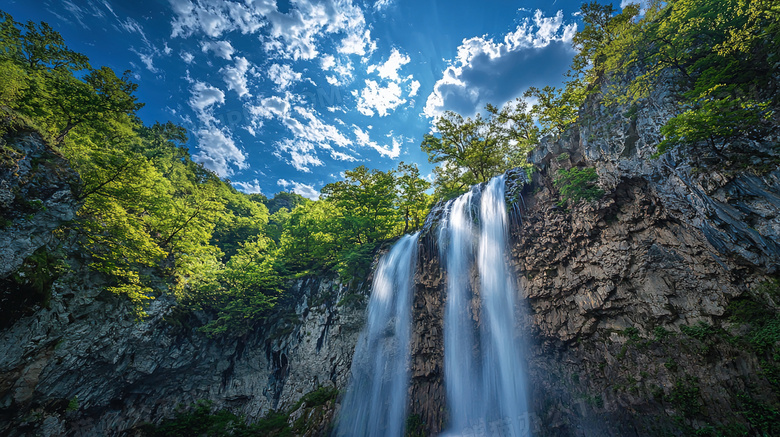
(235, 76)
(217, 151)
(414, 86)
(380, 5)
(315, 130)
(223, 49)
(294, 34)
(251, 187)
(271, 107)
(389, 70)
(363, 139)
(341, 67)
(147, 59)
(187, 57)
(299, 154)
(283, 76)
(374, 97)
(204, 96)
(357, 43)
(486, 71)
(304, 190)
(132, 26)
(340, 156)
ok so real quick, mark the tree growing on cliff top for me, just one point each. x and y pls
(473, 150)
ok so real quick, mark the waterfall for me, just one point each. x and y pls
(376, 399)
(484, 364)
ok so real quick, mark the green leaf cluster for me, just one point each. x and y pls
(152, 219)
(721, 58)
(354, 216)
(472, 150)
(577, 184)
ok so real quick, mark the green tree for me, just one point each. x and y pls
(413, 203)
(365, 200)
(310, 238)
(473, 150)
(556, 109)
(242, 293)
(605, 37)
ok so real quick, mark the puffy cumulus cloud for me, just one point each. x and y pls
(187, 57)
(235, 76)
(342, 69)
(414, 87)
(218, 152)
(292, 34)
(283, 76)
(251, 187)
(223, 49)
(486, 71)
(300, 154)
(304, 190)
(270, 107)
(379, 99)
(364, 140)
(357, 43)
(204, 96)
(389, 69)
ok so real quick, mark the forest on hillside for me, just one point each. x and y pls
(158, 223)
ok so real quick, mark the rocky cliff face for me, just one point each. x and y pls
(84, 366)
(634, 296)
(641, 303)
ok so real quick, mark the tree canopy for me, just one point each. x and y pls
(473, 150)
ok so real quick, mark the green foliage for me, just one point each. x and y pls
(701, 331)
(685, 396)
(661, 333)
(242, 292)
(473, 150)
(715, 121)
(201, 419)
(364, 200)
(556, 109)
(318, 397)
(412, 201)
(282, 200)
(763, 418)
(152, 220)
(722, 54)
(632, 333)
(73, 404)
(578, 184)
(415, 426)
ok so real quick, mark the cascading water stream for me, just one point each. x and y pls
(483, 359)
(484, 364)
(375, 402)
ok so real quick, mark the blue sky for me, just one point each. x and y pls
(286, 95)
